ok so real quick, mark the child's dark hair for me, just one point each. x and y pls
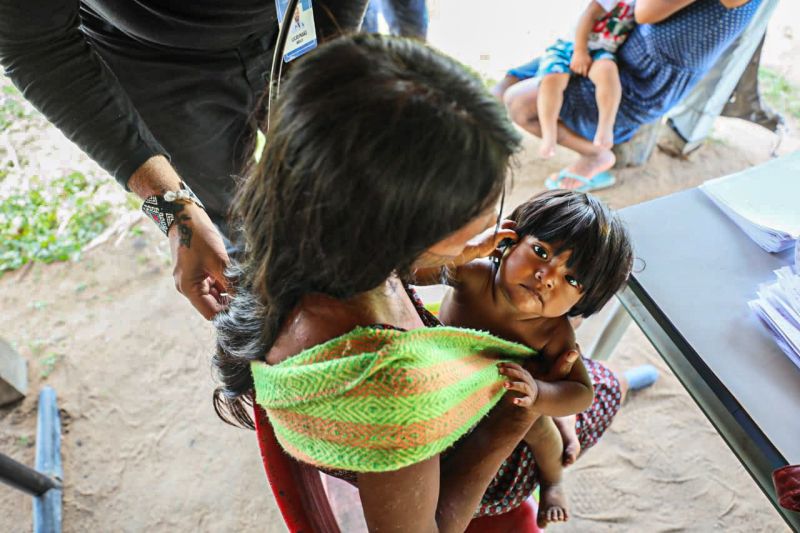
(601, 253)
(378, 148)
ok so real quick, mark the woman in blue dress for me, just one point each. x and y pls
(675, 45)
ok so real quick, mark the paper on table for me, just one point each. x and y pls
(778, 306)
(763, 200)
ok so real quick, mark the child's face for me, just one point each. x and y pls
(536, 282)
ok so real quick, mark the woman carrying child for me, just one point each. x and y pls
(324, 331)
(674, 45)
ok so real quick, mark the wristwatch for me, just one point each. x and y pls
(163, 210)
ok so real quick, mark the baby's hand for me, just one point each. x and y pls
(581, 62)
(484, 244)
(520, 382)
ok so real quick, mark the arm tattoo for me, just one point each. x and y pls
(184, 231)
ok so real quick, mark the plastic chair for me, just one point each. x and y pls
(302, 500)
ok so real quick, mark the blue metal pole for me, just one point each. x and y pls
(47, 507)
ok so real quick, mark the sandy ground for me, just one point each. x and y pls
(143, 450)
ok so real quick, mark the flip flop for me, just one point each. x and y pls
(602, 180)
(641, 377)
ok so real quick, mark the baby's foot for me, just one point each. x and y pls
(552, 505)
(604, 138)
(572, 446)
(547, 149)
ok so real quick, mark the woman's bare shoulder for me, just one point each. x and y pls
(315, 320)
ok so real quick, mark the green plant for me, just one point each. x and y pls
(11, 107)
(48, 363)
(37, 346)
(49, 220)
(779, 92)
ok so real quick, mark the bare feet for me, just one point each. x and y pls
(572, 446)
(588, 166)
(604, 138)
(552, 505)
(548, 148)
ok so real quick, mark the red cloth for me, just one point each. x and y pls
(521, 519)
(297, 487)
(787, 486)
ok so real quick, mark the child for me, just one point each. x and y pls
(570, 256)
(601, 29)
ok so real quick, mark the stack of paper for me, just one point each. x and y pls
(764, 201)
(778, 306)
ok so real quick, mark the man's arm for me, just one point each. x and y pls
(198, 254)
(48, 59)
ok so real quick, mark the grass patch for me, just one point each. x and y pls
(48, 363)
(11, 106)
(49, 220)
(779, 92)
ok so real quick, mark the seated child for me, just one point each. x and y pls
(601, 29)
(571, 254)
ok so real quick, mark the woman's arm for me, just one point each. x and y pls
(441, 275)
(653, 11)
(482, 245)
(434, 496)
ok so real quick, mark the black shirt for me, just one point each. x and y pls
(46, 49)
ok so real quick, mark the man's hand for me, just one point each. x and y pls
(581, 62)
(198, 253)
(199, 259)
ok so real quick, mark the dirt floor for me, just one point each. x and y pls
(129, 359)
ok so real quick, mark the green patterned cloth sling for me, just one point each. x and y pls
(376, 400)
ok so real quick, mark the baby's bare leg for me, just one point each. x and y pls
(548, 103)
(547, 446)
(569, 436)
(608, 93)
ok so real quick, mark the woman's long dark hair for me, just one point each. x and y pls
(378, 148)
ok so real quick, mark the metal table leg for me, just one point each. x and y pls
(614, 328)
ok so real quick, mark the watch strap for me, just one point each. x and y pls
(163, 210)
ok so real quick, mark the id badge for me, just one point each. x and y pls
(302, 32)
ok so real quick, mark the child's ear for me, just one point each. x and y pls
(507, 243)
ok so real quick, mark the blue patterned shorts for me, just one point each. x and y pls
(557, 57)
